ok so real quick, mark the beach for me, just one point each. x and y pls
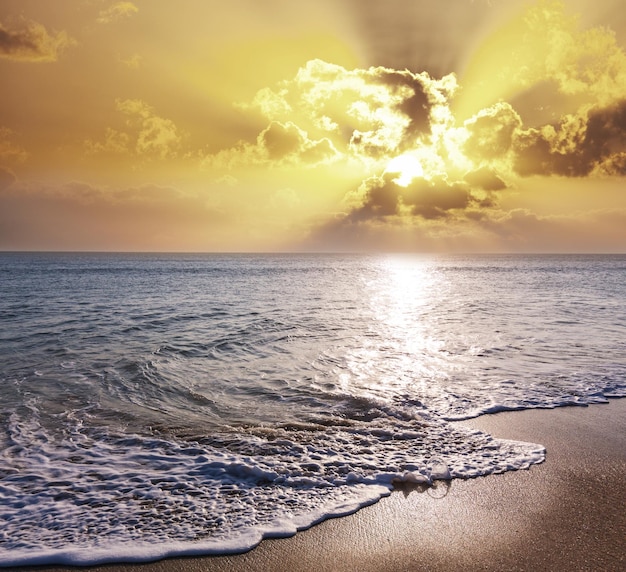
(565, 514)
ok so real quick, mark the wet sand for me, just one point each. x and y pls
(568, 513)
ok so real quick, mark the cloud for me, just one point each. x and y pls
(32, 43)
(584, 63)
(80, 215)
(420, 165)
(544, 52)
(589, 143)
(133, 62)
(378, 113)
(424, 167)
(523, 230)
(279, 144)
(287, 141)
(280, 140)
(437, 198)
(117, 11)
(10, 152)
(515, 230)
(147, 135)
(486, 179)
(156, 135)
(367, 112)
(115, 142)
(80, 193)
(351, 122)
(7, 178)
(463, 169)
(490, 133)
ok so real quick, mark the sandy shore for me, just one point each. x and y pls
(567, 514)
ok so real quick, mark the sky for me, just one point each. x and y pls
(326, 125)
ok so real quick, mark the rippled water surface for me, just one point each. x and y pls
(181, 404)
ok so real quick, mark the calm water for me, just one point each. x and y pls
(171, 404)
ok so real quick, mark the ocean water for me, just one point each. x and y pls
(155, 405)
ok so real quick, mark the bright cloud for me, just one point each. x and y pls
(146, 134)
(370, 113)
(117, 11)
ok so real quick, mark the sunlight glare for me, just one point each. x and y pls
(407, 167)
(400, 298)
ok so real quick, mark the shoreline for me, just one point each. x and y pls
(563, 514)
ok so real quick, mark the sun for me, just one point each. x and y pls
(407, 167)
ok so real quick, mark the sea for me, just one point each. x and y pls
(154, 405)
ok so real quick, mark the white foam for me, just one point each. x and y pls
(83, 496)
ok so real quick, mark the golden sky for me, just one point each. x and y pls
(326, 125)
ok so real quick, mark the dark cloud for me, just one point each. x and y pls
(486, 179)
(434, 199)
(577, 146)
(381, 199)
(613, 165)
(415, 102)
(280, 140)
(32, 43)
(427, 199)
(605, 139)
(534, 156)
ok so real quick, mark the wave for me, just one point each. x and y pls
(166, 405)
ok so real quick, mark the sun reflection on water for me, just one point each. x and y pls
(402, 350)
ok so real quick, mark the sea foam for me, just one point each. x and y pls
(84, 496)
